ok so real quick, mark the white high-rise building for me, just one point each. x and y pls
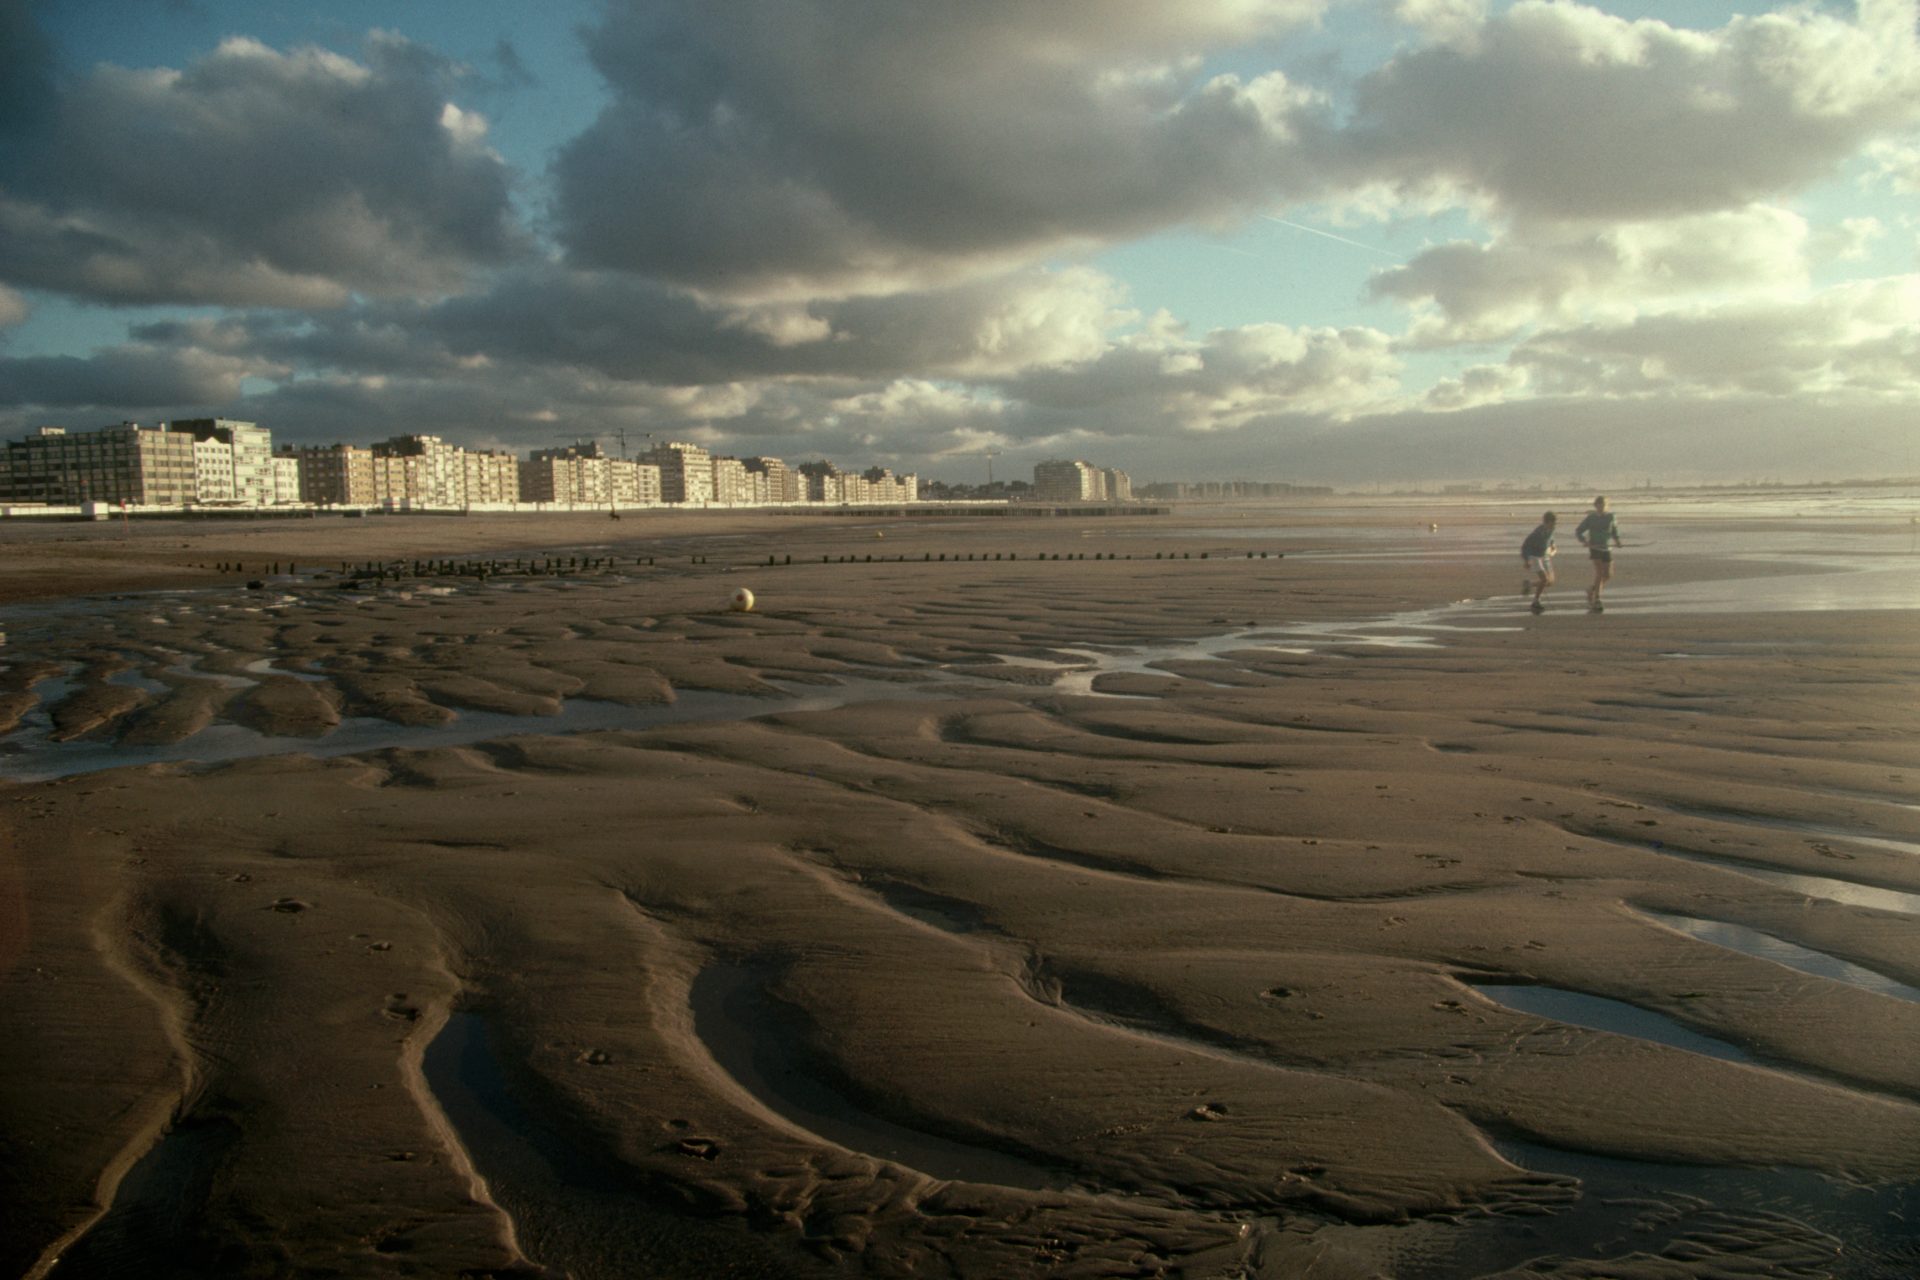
(250, 460)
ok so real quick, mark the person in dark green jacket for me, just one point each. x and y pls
(1536, 559)
(1599, 533)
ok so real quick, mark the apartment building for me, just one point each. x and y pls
(222, 461)
(1119, 485)
(249, 459)
(730, 482)
(421, 470)
(490, 475)
(213, 471)
(686, 471)
(332, 475)
(635, 482)
(576, 473)
(286, 479)
(884, 486)
(144, 466)
(1069, 481)
(774, 481)
(824, 482)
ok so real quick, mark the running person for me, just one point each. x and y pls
(1596, 532)
(1536, 555)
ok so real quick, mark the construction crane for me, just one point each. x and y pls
(984, 453)
(618, 433)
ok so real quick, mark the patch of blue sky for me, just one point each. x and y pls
(1294, 267)
(1687, 15)
(1854, 194)
(57, 326)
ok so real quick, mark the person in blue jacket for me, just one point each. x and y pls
(1599, 533)
(1536, 559)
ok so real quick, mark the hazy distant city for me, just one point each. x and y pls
(224, 463)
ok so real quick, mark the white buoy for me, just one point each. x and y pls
(742, 600)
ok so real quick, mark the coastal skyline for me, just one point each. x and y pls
(1427, 241)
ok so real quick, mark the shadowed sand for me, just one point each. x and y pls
(1099, 916)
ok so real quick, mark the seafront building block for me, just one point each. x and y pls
(776, 480)
(140, 466)
(1056, 480)
(333, 475)
(730, 483)
(222, 462)
(686, 471)
(248, 459)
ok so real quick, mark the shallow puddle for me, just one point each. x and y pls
(270, 667)
(1597, 1013)
(1734, 817)
(1850, 892)
(133, 678)
(1765, 946)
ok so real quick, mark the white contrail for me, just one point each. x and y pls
(1329, 235)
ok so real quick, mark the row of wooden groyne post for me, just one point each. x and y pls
(548, 566)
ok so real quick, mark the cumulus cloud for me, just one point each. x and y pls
(1861, 339)
(816, 227)
(1483, 384)
(1472, 292)
(816, 150)
(255, 177)
(1161, 381)
(1443, 20)
(1896, 163)
(626, 328)
(1560, 111)
(819, 146)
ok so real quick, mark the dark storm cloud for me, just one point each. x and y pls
(255, 177)
(137, 377)
(630, 329)
(781, 147)
(26, 73)
(787, 146)
(626, 329)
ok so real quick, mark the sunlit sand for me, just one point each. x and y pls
(1204, 914)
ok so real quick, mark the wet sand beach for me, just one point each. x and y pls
(1227, 894)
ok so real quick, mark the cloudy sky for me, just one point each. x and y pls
(1337, 241)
